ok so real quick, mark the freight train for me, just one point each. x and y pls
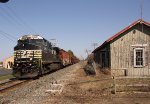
(35, 56)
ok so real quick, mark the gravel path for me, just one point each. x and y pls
(41, 89)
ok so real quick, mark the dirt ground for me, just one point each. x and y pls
(95, 90)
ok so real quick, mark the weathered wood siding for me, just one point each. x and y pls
(97, 57)
(122, 51)
(102, 57)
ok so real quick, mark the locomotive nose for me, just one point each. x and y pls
(25, 70)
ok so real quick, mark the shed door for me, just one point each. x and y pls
(103, 59)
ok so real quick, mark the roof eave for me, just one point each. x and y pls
(120, 32)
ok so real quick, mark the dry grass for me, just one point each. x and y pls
(97, 90)
(5, 77)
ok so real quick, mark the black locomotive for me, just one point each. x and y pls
(34, 56)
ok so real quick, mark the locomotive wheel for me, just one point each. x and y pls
(40, 72)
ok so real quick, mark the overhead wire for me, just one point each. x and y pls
(22, 22)
(11, 36)
(7, 17)
(12, 16)
(8, 36)
(13, 19)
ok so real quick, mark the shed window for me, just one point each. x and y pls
(138, 57)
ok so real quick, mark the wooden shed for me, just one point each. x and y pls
(127, 52)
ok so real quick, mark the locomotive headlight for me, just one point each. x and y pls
(31, 58)
(17, 64)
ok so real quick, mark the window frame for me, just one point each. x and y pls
(135, 50)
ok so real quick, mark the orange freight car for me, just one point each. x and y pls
(65, 57)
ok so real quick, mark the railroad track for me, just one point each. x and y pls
(11, 84)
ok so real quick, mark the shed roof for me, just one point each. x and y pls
(122, 31)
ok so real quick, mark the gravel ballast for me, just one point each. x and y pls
(36, 91)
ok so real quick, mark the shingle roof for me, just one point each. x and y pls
(122, 31)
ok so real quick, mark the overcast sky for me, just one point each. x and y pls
(75, 24)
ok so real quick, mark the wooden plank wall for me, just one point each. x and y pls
(98, 57)
(122, 50)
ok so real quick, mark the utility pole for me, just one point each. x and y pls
(87, 51)
(81, 57)
(94, 45)
(54, 42)
(141, 9)
(53, 45)
(141, 6)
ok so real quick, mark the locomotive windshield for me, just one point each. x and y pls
(31, 41)
(35, 40)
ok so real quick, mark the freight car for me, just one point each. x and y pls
(35, 56)
(65, 57)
